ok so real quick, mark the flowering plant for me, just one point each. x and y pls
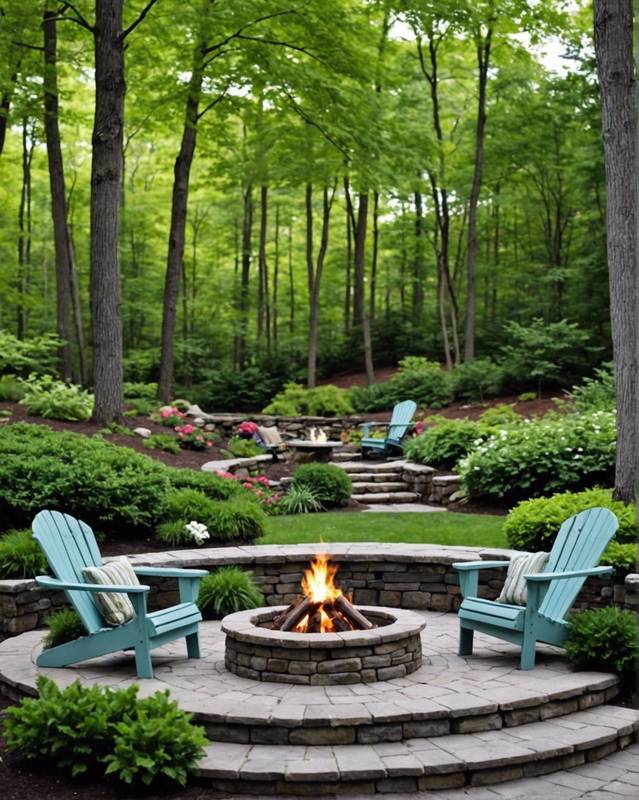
(194, 438)
(247, 430)
(259, 487)
(169, 416)
(197, 531)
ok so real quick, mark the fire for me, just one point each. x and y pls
(318, 584)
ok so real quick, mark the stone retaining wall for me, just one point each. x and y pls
(289, 427)
(395, 575)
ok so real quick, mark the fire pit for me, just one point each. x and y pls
(322, 638)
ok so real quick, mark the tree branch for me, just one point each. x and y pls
(301, 113)
(37, 47)
(78, 18)
(213, 103)
(299, 48)
(241, 30)
(141, 16)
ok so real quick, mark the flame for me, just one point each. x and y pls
(318, 583)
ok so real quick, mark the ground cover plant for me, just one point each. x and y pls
(44, 396)
(227, 590)
(93, 730)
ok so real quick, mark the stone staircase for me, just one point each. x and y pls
(379, 482)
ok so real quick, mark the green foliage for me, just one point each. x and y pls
(500, 415)
(301, 499)
(21, 556)
(595, 394)
(322, 401)
(542, 456)
(542, 352)
(80, 728)
(227, 590)
(22, 356)
(11, 389)
(533, 524)
(213, 486)
(477, 379)
(230, 520)
(139, 390)
(526, 397)
(155, 743)
(238, 447)
(623, 557)
(104, 484)
(445, 443)
(603, 639)
(418, 379)
(330, 484)
(162, 441)
(64, 626)
(227, 389)
(139, 407)
(47, 397)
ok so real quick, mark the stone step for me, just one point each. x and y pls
(386, 497)
(371, 466)
(426, 764)
(374, 487)
(372, 476)
(341, 457)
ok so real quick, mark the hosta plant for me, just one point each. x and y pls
(47, 397)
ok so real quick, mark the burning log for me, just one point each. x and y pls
(355, 617)
(335, 618)
(296, 613)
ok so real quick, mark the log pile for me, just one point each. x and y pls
(306, 616)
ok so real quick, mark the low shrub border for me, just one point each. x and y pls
(372, 572)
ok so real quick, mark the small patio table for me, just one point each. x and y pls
(307, 450)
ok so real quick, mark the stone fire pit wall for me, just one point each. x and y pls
(392, 650)
(395, 575)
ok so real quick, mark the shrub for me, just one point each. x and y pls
(79, 728)
(477, 379)
(595, 394)
(44, 396)
(236, 519)
(299, 500)
(226, 389)
(64, 626)
(213, 486)
(227, 590)
(162, 441)
(22, 356)
(330, 484)
(104, 484)
(139, 390)
(526, 397)
(623, 557)
(542, 352)
(11, 389)
(21, 556)
(169, 416)
(243, 448)
(445, 443)
(194, 438)
(418, 379)
(500, 415)
(139, 407)
(533, 524)
(604, 639)
(542, 456)
(321, 401)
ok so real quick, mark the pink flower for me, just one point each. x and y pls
(188, 429)
(263, 480)
(199, 438)
(165, 413)
(209, 444)
(247, 485)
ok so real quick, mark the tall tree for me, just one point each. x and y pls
(613, 47)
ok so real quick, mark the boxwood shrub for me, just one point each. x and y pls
(558, 452)
(533, 524)
(418, 379)
(443, 444)
(330, 484)
(108, 486)
(603, 638)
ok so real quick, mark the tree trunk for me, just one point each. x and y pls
(77, 310)
(247, 229)
(106, 183)
(360, 260)
(58, 194)
(177, 231)
(263, 324)
(276, 273)
(418, 270)
(291, 282)
(483, 61)
(24, 228)
(374, 256)
(315, 278)
(613, 48)
(347, 284)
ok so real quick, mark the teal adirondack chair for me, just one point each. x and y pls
(70, 545)
(579, 544)
(397, 429)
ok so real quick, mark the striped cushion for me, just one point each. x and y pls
(116, 608)
(514, 591)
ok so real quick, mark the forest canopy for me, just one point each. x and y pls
(306, 187)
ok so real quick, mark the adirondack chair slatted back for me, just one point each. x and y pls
(400, 420)
(579, 544)
(70, 545)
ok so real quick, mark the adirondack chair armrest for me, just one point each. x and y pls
(543, 577)
(469, 577)
(169, 572)
(468, 566)
(53, 583)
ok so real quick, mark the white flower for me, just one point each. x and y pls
(198, 532)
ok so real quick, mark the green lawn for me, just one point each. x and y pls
(474, 530)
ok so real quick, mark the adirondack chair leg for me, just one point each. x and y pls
(143, 664)
(527, 659)
(193, 645)
(465, 641)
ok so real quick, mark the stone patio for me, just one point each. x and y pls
(455, 722)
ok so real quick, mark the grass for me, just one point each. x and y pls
(472, 530)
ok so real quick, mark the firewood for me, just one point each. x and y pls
(314, 622)
(339, 623)
(279, 619)
(305, 608)
(355, 617)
